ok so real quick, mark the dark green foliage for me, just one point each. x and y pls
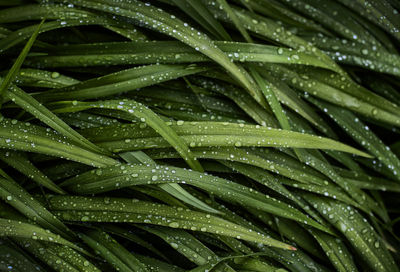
(199, 135)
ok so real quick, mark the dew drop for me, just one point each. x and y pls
(174, 225)
(174, 245)
(55, 75)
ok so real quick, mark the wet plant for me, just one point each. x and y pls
(209, 135)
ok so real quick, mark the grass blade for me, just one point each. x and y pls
(12, 73)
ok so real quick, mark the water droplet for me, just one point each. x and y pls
(174, 245)
(174, 225)
(295, 57)
(55, 75)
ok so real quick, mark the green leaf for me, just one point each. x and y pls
(21, 200)
(114, 253)
(21, 163)
(11, 228)
(12, 73)
(363, 135)
(336, 251)
(146, 115)
(358, 232)
(173, 189)
(99, 209)
(31, 138)
(184, 243)
(198, 134)
(163, 22)
(167, 52)
(121, 81)
(58, 257)
(112, 178)
(32, 106)
(199, 12)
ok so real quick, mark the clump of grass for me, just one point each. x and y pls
(199, 135)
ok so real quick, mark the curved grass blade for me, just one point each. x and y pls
(146, 115)
(335, 95)
(235, 20)
(172, 52)
(272, 182)
(291, 99)
(279, 12)
(112, 178)
(21, 200)
(242, 99)
(336, 251)
(20, 35)
(276, 163)
(352, 88)
(260, 176)
(184, 243)
(267, 90)
(32, 106)
(84, 120)
(11, 228)
(14, 70)
(18, 161)
(275, 32)
(43, 79)
(199, 134)
(33, 12)
(121, 81)
(163, 22)
(364, 181)
(30, 138)
(298, 235)
(201, 15)
(157, 265)
(173, 189)
(130, 235)
(359, 232)
(114, 253)
(372, 12)
(136, 211)
(337, 18)
(363, 135)
(378, 65)
(58, 257)
(15, 259)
